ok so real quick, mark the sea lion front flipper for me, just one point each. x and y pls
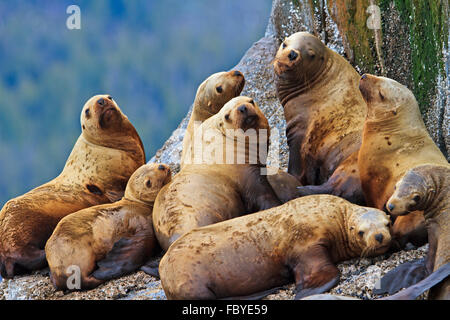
(404, 276)
(258, 193)
(126, 256)
(416, 290)
(315, 273)
(152, 268)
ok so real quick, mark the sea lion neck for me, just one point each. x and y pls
(297, 81)
(437, 187)
(343, 246)
(135, 149)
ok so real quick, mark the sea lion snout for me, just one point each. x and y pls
(379, 237)
(292, 55)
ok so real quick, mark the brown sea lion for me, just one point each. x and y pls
(105, 155)
(110, 240)
(395, 138)
(325, 114)
(221, 187)
(211, 96)
(300, 240)
(427, 188)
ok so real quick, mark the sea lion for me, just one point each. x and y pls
(427, 188)
(105, 155)
(395, 140)
(219, 189)
(300, 240)
(211, 96)
(117, 238)
(325, 113)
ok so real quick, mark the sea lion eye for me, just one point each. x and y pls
(110, 98)
(148, 184)
(361, 233)
(381, 95)
(416, 198)
(252, 102)
(219, 89)
(227, 117)
(283, 45)
(87, 113)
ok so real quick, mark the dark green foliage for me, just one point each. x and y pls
(149, 55)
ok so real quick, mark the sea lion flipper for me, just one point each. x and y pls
(259, 194)
(126, 256)
(151, 268)
(315, 273)
(416, 290)
(404, 276)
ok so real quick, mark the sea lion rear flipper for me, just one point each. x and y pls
(126, 256)
(404, 276)
(152, 268)
(315, 273)
(416, 290)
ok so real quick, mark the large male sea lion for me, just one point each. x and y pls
(325, 114)
(105, 155)
(109, 240)
(426, 188)
(300, 240)
(211, 96)
(395, 140)
(218, 189)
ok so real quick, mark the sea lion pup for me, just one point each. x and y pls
(395, 140)
(300, 240)
(426, 188)
(117, 238)
(105, 155)
(221, 187)
(325, 114)
(211, 96)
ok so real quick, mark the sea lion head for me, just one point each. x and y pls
(218, 89)
(146, 182)
(301, 56)
(368, 230)
(385, 97)
(409, 195)
(103, 123)
(241, 113)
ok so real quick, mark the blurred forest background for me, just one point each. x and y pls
(149, 55)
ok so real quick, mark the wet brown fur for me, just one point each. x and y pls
(325, 114)
(210, 192)
(87, 236)
(208, 101)
(107, 152)
(427, 188)
(300, 240)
